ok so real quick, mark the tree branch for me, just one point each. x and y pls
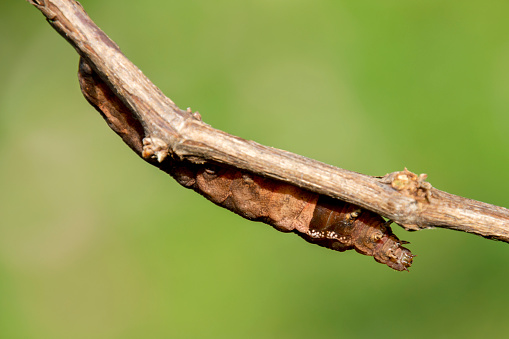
(155, 127)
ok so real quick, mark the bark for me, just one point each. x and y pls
(157, 130)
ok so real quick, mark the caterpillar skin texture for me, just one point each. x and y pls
(318, 219)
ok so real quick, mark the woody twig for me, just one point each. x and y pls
(155, 128)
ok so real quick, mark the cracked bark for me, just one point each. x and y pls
(155, 128)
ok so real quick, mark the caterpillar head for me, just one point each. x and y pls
(391, 252)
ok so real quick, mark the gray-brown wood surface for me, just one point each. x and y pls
(403, 197)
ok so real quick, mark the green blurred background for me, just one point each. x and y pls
(94, 243)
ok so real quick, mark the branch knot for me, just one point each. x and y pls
(155, 148)
(410, 184)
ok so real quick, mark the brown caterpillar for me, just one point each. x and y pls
(318, 219)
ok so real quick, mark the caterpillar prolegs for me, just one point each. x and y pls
(319, 219)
